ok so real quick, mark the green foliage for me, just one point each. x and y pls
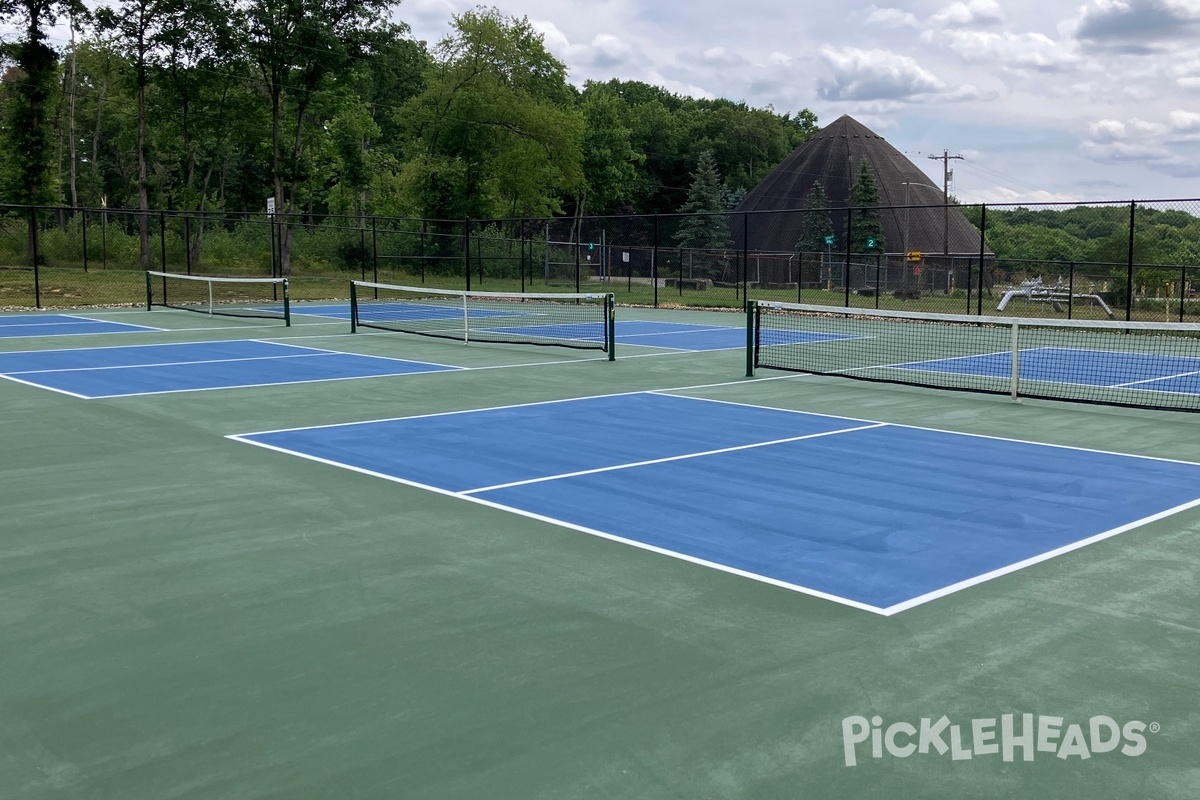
(705, 228)
(865, 221)
(817, 223)
(496, 122)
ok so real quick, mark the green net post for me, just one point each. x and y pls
(610, 304)
(287, 305)
(353, 306)
(149, 292)
(751, 313)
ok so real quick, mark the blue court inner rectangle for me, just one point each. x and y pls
(877, 516)
(155, 369)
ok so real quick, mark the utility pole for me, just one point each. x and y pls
(946, 173)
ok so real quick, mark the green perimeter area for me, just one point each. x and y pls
(184, 616)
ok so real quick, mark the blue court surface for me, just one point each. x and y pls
(26, 325)
(156, 369)
(876, 516)
(1100, 368)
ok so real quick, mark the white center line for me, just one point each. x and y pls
(670, 458)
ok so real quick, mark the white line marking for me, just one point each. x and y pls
(550, 402)
(572, 526)
(667, 459)
(51, 388)
(253, 385)
(155, 364)
(1153, 380)
(933, 430)
(996, 573)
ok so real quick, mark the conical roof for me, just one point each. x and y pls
(833, 157)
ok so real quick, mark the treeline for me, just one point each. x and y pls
(331, 107)
(1093, 234)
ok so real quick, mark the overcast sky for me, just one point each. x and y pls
(1045, 100)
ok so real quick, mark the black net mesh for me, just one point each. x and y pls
(1151, 365)
(559, 319)
(264, 298)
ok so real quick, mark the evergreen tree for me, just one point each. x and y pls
(705, 228)
(817, 222)
(865, 223)
(815, 226)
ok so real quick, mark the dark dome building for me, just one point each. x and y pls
(911, 211)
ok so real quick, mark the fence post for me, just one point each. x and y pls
(877, 257)
(162, 239)
(83, 213)
(467, 250)
(187, 242)
(746, 258)
(521, 233)
(1129, 264)
(374, 252)
(654, 262)
(1070, 290)
(846, 268)
(982, 252)
(1182, 290)
(33, 241)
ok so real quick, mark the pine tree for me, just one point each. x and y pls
(817, 223)
(705, 229)
(865, 224)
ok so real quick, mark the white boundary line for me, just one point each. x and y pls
(996, 573)
(50, 388)
(936, 430)
(260, 385)
(169, 364)
(666, 459)
(868, 424)
(558, 400)
(572, 526)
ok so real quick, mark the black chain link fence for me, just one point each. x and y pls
(1137, 261)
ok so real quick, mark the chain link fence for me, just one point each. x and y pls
(1137, 261)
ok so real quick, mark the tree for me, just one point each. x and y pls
(297, 47)
(705, 228)
(28, 175)
(816, 224)
(865, 223)
(610, 163)
(496, 129)
(134, 24)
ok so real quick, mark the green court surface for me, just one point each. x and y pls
(186, 616)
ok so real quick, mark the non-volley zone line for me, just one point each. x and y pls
(30, 325)
(101, 372)
(874, 516)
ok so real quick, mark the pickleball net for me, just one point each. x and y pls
(262, 298)
(1141, 364)
(581, 321)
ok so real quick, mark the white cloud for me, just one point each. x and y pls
(1136, 26)
(854, 74)
(890, 17)
(971, 13)
(1158, 146)
(720, 57)
(1010, 51)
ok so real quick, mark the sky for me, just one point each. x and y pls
(1045, 101)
